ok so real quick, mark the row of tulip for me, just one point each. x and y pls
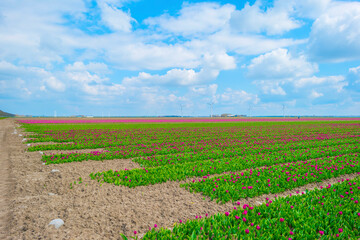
(195, 138)
(199, 133)
(180, 120)
(330, 212)
(192, 156)
(154, 175)
(174, 155)
(273, 179)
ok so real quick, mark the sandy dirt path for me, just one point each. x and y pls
(6, 127)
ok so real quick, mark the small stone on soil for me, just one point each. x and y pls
(57, 223)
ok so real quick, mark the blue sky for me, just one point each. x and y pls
(142, 57)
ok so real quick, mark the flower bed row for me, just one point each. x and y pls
(154, 175)
(198, 138)
(183, 157)
(273, 179)
(328, 213)
(158, 157)
(180, 120)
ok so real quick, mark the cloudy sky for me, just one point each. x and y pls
(150, 57)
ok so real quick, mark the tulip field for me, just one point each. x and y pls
(326, 213)
(225, 162)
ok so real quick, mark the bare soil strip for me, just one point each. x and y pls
(49, 152)
(47, 143)
(6, 128)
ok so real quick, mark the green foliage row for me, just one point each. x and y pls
(165, 156)
(160, 159)
(332, 212)
(84, 126)
(180, 137)
(218, 138)
(154, 175)
(273, 179)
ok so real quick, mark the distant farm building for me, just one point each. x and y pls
(227, 115)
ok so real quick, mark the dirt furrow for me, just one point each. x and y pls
(6, 127)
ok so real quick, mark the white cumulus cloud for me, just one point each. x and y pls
(271, 87)
(209, 90)
(182, 77)
(34, 32)
(315, 94)
(280, 64)
(211, 64)
(55, 84)
(238, 97)
(335, 35)
(195, 19)
(308, 8)
(253, 19)
(96, 67)
(353, 79)
(113, 17)
(29, 78)
(336, 82)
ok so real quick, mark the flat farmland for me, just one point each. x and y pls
(205, 178)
